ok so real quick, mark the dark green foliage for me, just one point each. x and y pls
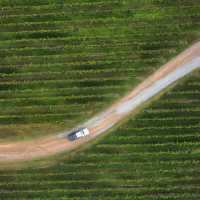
(62, 61)
(47, 47)
(154, 155)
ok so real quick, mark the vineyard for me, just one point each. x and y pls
(154, 155)
(63, 61)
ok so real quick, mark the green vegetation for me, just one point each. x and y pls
(62, 61)
(154, 155)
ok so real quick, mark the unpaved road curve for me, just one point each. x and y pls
(183, 64)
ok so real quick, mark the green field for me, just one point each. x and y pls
(62, 61)
(155, 155)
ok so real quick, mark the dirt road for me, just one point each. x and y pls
(183, 64)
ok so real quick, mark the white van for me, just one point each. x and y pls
(82, 132)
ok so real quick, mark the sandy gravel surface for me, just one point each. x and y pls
(177, 68)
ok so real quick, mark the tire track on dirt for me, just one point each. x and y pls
(177, 68)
